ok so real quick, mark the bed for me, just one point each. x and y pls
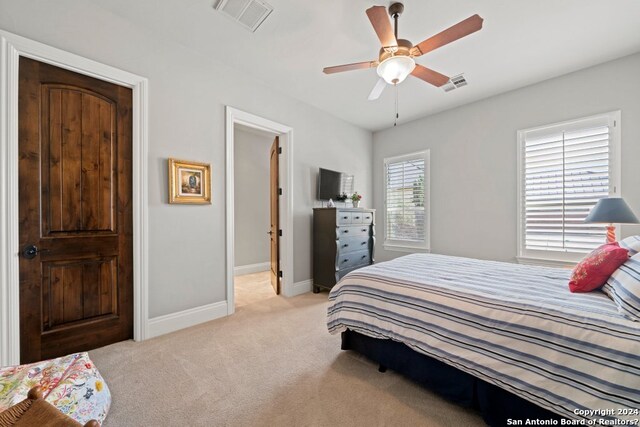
(507, 339)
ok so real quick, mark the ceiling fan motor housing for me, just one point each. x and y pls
(403, 49)
(395, 65)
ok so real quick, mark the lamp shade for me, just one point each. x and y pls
(396, 68)
(612, 210)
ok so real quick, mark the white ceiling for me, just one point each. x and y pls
(522, 42)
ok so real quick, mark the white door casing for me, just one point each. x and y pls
(12, 47)
(235, 116)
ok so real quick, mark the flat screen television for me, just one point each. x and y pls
(332, 184)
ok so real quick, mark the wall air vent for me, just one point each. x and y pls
(248, 13)
(454, 83)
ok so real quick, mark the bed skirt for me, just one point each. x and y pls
(496, 405)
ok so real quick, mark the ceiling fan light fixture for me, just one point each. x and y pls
(396, 68)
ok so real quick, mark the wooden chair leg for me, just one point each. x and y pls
(35, 393)
(13, 415)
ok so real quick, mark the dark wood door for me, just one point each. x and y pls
(274, 214)
(76, 281)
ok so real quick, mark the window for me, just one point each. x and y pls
(564, 170)
(407, 202)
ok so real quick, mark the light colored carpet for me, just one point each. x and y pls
(273, 363)
(252, 288)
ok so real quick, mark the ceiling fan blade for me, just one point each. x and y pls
(381, 24)
(377, 89)
(451, 34)
(429, 76)
(349, 67)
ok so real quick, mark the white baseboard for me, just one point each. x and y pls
(251, 268)
(299, 288)
(183, 319)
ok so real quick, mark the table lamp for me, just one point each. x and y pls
(611, 210)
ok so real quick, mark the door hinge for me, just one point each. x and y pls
(280, 232)
(279, 191)
(279, 150)
(279, 273)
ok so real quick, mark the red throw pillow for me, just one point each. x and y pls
(594, 269)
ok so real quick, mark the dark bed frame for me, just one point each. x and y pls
(495, 404)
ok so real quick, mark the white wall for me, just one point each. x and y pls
(474, 155)
(252, 194)
(188, 94)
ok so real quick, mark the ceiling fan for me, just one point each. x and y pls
(396, 58)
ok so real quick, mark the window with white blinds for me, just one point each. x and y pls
(407, 201)
(565, 169)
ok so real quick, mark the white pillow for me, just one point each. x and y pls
(623, 287)
(632, 244)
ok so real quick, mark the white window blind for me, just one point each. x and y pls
(406, 200)
(566, 169)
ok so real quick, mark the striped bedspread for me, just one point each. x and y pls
(514, 326)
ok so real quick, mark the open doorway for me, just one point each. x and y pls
(283, 147)
(256, 215)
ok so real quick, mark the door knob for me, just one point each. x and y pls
(30, 251)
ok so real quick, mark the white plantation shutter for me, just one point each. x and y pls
(406, 200)
(566, 169)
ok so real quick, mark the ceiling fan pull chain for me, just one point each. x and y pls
(395, 122)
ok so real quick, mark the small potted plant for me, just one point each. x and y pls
(342, 197)
(355, 199)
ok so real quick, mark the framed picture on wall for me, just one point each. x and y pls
(189, 182)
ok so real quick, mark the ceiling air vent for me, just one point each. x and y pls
(248, 13)
(454, 83)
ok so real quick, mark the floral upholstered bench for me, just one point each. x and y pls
(71, 383)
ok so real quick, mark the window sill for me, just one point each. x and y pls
(545, 262)
(403, 248)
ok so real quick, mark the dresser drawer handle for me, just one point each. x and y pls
(357, 217)
(364, 256)
(345, 217)
(346, 245)
(363, 243)
(345, 231)
(364, 229)
(345, 260)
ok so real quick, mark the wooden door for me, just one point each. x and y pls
(274, 231)
(76, 264)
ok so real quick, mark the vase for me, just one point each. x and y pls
(356, 203)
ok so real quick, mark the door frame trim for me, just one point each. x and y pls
(12, 47)
(236, 116)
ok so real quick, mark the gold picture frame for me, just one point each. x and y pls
(189, 182)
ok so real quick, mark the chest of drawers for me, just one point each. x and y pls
(343, 241)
